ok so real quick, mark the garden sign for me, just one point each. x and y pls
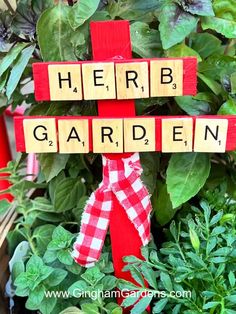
(116, 80)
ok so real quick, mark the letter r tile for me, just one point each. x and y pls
(139, 134)
(166, 78)
(132, 80)
(65, 81)
(40, 135)
(107, 135)
(99, 80)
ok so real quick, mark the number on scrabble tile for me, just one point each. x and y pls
(65, 82)
(73, 136)
(40, 135)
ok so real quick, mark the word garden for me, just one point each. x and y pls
(166, 134)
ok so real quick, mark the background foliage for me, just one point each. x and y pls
(195, 247)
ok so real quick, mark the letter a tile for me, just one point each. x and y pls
(166, 78)
(210, 135)
(99, 81)
(107, 135)
(73, 136)
(132, 80)
(139, 135)
(177, 135)
(65, 81)
(40, 135)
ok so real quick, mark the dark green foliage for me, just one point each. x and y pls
(200, 252)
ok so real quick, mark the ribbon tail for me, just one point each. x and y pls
(94, 225)
(135, 199)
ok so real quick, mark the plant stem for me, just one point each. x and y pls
(9, 6)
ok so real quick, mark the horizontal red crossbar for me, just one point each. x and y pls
(231, 135)
(41, 78)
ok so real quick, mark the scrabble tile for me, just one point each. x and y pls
(210, 135)
(177, 135)
(99, 81)
(65, 82)
(40, 135)
(132, 80)
(166, 78)
(73, 136)
(139, 135)
(108, 136)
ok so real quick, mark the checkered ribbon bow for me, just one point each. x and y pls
(121, 177)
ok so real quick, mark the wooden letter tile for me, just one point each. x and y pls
(166, 78)
(108, 136)
(210, 135)
(132, 80)
(139, 135)
(99, 81)
(65, 81)
(177, 135)
(40, 135)
(73, 136)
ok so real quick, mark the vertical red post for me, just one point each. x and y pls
(112, 40)
(5, 155)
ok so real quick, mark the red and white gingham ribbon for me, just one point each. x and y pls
(121, 177)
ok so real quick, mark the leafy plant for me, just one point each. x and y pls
(194, 272)
(49, 219)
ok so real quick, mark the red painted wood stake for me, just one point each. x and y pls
(112, 40)
(5, 156)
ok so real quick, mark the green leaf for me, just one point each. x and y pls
(48, 305)
(4, 206)
(130, 300)
(231, 277)
(141, 305)
(194, 239)
(109, 282)
(159, 306)
(92, 275)
(150, 165)
(133, 9)
(186, 174)
(205, 44)
(192, 106)
(52, 164)
(56, 277)
(228, 108)
(182, 50)
(162, 205)
(11, 57)
(198, 7)
(68, 193)
(43, 235)
(54, 34)
(72, 310)
(65, 257)
(211, 83)
(225, 9)
(82, 11)
(165, 279)
(36, 296)
(89, 308)
(225, 27)
(18, 69)
(210, 305)
(145, 41)
(78, 286)
(149, 275)
(181, 24)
